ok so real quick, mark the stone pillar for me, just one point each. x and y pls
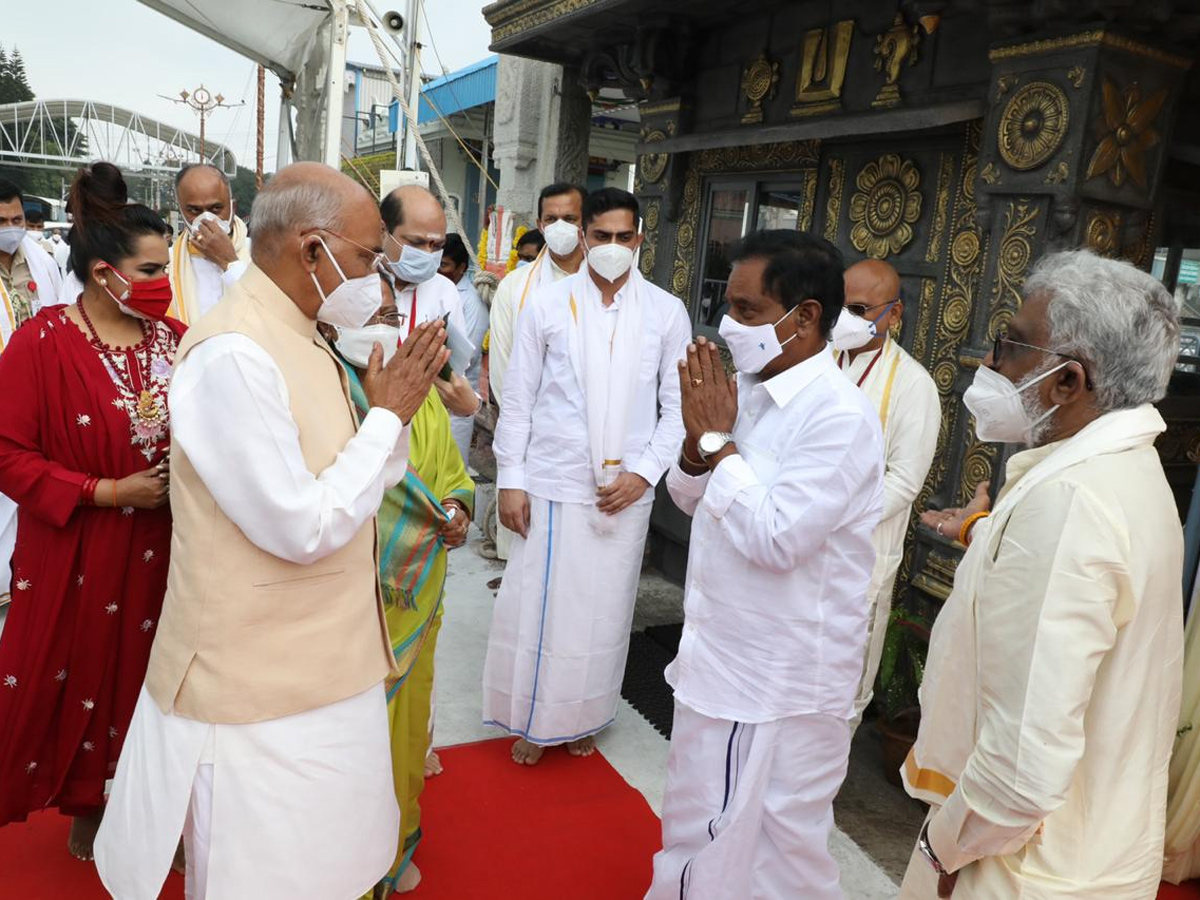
(543, 122)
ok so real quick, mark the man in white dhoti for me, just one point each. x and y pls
(1052, 688)
(29, 280)
(559, 215)
(455, 262)
(590, 422)
(910, 413)
(782, 472)
(262, 731)
(213, 251)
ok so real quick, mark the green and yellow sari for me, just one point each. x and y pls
(412, 572)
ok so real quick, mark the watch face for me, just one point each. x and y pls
(711, 442)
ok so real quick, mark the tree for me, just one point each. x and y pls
(14, 84)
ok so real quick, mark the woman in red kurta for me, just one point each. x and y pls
(83, 452)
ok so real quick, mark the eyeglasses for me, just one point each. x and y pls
(861, 309)
(1001, 338)
(428, 244)
(377, 263)
(392, 317)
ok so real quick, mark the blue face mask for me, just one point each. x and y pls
(415, 266)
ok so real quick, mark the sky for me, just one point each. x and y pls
(130, 54)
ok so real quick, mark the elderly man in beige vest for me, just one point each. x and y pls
(1052, 690)
(262, 730)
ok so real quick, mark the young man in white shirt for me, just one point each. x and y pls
(559, 215)
(455, 262)
(782, 472)
(590, 422)
(910, 413)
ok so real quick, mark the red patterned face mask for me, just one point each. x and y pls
(143, 299)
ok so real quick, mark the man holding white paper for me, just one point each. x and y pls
(590, 422)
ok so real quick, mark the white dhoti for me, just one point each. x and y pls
(302, 806)
(748, 809)
(889, 551)
(560, 626)
(8, 542)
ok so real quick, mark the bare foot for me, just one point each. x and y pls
(179, 864)
(408, 880)
(433, 764)
(83, 835)
(526, 754)
(582, 747)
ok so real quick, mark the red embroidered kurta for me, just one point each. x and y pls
(88, 583)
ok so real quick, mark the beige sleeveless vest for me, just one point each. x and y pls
(246, 636)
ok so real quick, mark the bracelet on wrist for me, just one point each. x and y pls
(964, 533)
(683, 454)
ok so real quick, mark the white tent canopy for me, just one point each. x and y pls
(302, 41)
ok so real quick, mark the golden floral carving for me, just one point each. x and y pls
(833, 207)
(1033, 125)
(1076, 75)
(990, 173)
(1004, 84)
(1059, 173)
(804, 221)
(1125, 132)
(652, 215)
(886, 206)
(1016, 252)
(652, 166)
(941, 209)
(758, 83)
(646, 263)
(1103, 232)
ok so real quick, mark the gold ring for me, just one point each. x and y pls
(696, 382)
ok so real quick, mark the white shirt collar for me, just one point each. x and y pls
(787, 384)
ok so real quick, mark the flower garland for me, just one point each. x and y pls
(512, 254)
(483, 255)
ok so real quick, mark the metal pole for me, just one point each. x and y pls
(483, 161)
(414, 87)
(262, 116)
(202, 117)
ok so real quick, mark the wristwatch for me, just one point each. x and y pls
(711, 442)
(927, 851)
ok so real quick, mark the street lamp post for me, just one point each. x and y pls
(203, 103)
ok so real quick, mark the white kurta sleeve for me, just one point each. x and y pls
(516, 412)
(502, 323)
(235, 271)
(911, 445)
(686, 490)
(776, 525)
(1051, 607)
(229, 414)
(663, 448)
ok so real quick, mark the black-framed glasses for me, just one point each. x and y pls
(1001, 338)
(861, 309)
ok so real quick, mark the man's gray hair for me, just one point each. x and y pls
(1119, 320)
(283, 208)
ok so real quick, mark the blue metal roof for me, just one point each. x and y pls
(469, 87)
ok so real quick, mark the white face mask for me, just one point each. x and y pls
(752, 346)
(610, 261)
(851, 332)
(1000, 413)
(356, 344)
(226, 225)
(561, 237)
(522, 263)
(353, 302)
(11, 237)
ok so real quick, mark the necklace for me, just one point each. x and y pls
(146, 409)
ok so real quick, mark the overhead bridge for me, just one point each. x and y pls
(34, 134)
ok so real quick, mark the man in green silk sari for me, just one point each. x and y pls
(421, 518)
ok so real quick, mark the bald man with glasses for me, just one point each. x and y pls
(910, 412)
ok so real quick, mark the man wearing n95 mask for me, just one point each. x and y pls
(212, 250)
(910, 414)
(590, 422)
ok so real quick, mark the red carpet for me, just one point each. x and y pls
(493, 831)
(567, 828)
